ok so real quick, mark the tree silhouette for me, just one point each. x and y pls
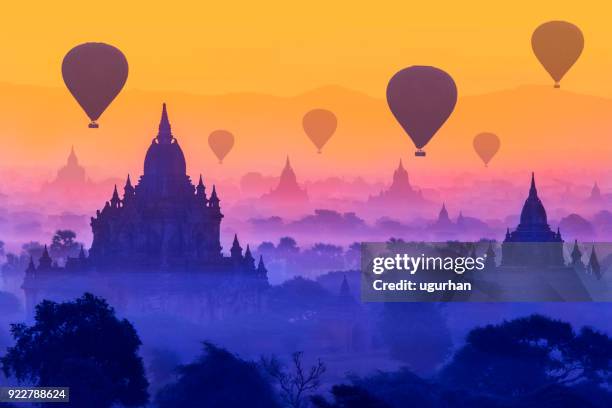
(529, 354)
(324, 256)
(295, 384)
(218, 379)
(266, 247)
(287, 246)
(63, 244)
(81, 345)
(531, 362)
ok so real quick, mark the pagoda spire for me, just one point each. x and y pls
(248, 258)
(31, 268)
(576, 254)
(595, 192)
(443, 212)
(261, 268)
(115, 200)
(201, 189)
(236, 250)
(164, 136)
(72, 158)
(288, 180)
(45, 262)
(128, 189)
(214, 199)
(533, 192)
(247, 253)
(594, 266)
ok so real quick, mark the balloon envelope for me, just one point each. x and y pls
(486, 146)
(421, 98)
(557, 45)
(94, 74)
(319, 125)
(221, 142)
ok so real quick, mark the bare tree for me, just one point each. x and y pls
(297, 383)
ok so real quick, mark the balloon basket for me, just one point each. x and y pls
(93, 125)
(419, 153)
(557, 86)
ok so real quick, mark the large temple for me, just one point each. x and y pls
(533, 242)
(164, 222)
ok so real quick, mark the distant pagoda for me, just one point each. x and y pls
(596, 196)
(71, 176)
(400, 192)
(443, 220)
(72, 172)
(288, 190)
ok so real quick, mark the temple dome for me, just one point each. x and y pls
(164, 156)
(164, 159)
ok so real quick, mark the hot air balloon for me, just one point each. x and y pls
(94, 74)
(319, 125)
(486, 145)
(421, 98)
(557, 45)
(221, 142)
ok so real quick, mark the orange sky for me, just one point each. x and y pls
(284, 48)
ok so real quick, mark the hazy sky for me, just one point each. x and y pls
(288, 47)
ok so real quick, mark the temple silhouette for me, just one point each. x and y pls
(533, 266)
(443, 221)
(596, 197)
(163, 223)
(69, 178)
(72, 172)
(157, 248)
(73, 187)
(533, 242)
(400, 192)
(288, 191)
